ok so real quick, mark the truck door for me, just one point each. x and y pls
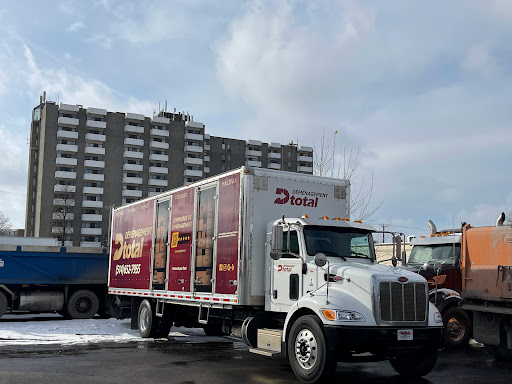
(286, 274)
(205, 235)
(161, 244)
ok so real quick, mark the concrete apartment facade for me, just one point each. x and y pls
(83, 161)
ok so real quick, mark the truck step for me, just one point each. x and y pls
(264, 352)
(270, 340)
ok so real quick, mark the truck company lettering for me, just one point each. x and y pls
(226, 183)
(181, 222)
(127, 250)
(127, 269)
(294, 200)
(284, 268)
(138, 233)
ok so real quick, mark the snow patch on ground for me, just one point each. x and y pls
(53, 329)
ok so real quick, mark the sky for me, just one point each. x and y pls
(420, 90)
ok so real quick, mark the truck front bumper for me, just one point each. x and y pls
(380, 340)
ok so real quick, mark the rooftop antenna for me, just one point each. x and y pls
(165, 105)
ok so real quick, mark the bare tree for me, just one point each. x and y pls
(64, 213)
(5, 224)
(328, 163)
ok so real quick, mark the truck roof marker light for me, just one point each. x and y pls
(345, 219)
(325, 217)
(358, 221)
(422, 237)
(337, 218)
(304, 217)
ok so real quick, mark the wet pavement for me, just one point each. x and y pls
(224, 361)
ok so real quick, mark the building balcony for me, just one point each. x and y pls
(193, 124)
(60, 216)
(275, 145)
(97, 111)
(94, 177)
(158, 145)
(95, 137)
(69, 121)
(161, 120)
(92, 217)
(193, 136)
(92, 204)
(253, 153)
(306, 159)
(133, 155)
(92, 244)
(91, 231)
(273, 155)
(252, 163)
(193, 161)
(207, 147)
(159, 170)
(94, 151)
(132, 180)
(133, 129)
(206, 158)
(134, 142)
(206, 169)
(151, 194)
(64, 188)
(303, 148)
(68, 108)
(193, 173)
(64, 202)
(194, 148)
(274, 166)
(157, 183)
(65, 175)
(133, 167)
(93, 191)
(59, 230)
(305, 169)
(131, 193)
(67, 134)
(67, 148)
(256, 143)
(94, 164)
(65, 161)
(96, 124)
(159, 132)
(156, 157)
(134, 116)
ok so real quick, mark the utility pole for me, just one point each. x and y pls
(384, 226)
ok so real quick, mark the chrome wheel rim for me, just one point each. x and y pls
(143, 321)
(306, 349)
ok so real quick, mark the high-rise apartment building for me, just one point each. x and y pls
(83, 161)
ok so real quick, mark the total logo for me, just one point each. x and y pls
(286, 198)
(284, 268)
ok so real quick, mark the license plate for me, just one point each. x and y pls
(404, 334)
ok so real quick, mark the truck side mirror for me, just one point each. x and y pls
(320, 259)
(276, 242)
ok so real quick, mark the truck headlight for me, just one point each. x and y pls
(334, 314)
(437, 317)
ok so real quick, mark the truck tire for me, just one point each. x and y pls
(457, 327)
(82, 304)
(3, 304)
(148, 323)
(416, 363)
(308, 352)
(212, 329)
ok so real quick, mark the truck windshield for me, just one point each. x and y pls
(443, 253)
(341, 242)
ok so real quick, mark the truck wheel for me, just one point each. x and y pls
(457, 327)
(307, 350)
(164, 326)
(147, 321)
(3, 304)
(416, 363)
(82, 304)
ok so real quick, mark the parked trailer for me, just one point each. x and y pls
(487, 285)
(252, 253)
(68, 280)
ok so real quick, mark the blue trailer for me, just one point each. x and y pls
(69, 280)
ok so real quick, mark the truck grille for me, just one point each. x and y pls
(403, 302)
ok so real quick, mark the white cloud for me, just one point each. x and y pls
(76, 26)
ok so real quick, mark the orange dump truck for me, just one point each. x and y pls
(487, 285)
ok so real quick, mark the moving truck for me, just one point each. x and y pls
(40, 278)
(487, 285)
(271, 257)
